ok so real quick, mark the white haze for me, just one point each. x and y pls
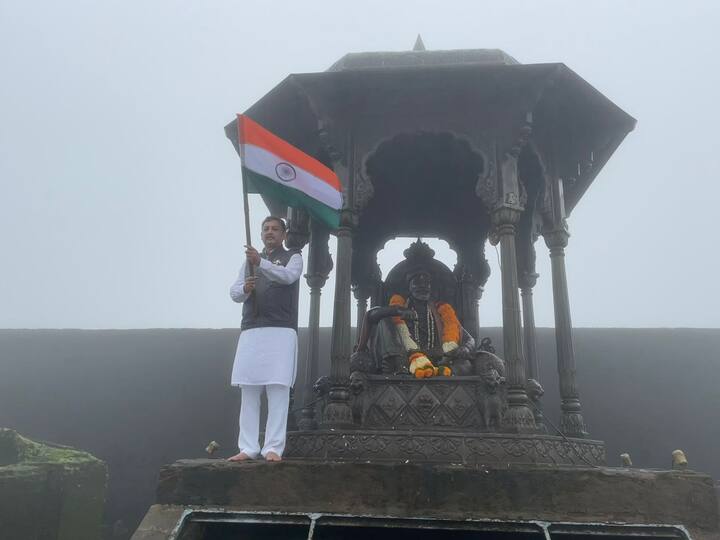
(120, 198)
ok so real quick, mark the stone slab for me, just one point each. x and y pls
(513, 492)
(159, 523)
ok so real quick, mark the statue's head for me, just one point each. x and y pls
(420, 285)
(421, 276)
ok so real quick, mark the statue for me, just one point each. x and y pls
(423, 336)
(418, 333)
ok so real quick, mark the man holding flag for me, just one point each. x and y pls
(266, 355)
(268, 282)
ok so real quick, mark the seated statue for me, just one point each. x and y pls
(424, 335)
(417, 334)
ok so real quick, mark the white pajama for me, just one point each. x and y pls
(278, 397)
(265, 359)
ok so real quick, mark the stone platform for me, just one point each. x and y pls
(214, 499)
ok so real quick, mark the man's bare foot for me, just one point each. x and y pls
(242, 456)
(272, 456)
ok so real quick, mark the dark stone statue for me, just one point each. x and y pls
(420, 334)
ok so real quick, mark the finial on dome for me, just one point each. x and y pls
(419, 250)
(419, 45)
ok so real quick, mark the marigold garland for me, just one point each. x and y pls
(451, 325)
(398, 301)
(450, 339)
(421, 366)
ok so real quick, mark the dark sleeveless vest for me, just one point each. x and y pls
(272, 303)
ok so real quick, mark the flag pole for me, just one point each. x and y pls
(246, 204)
(246, 211)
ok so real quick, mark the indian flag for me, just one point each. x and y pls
(276, 168)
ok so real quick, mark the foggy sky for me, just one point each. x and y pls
(120, 198)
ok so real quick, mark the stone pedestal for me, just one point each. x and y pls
(213, 499)
(437, 404)
(450, 447)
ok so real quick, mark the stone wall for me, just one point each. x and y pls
(139, 399)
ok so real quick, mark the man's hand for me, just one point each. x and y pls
(253, 257)
(249, 286)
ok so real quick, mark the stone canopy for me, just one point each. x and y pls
(483, 96)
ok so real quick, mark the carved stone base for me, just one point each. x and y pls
(518, 417)
(442, 447)
(572, 423)
(337, 412)
(469, 403)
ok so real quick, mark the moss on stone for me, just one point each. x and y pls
(49, 491)
(16, 449)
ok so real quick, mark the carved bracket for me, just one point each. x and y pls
(504, 189)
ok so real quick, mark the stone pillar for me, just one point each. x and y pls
(483, 275)
(527, 282)
(471, 273)
(519, 418)
(362, 294)
(307, 420)
(316, 282)
(534, 389)
(469, 295)
(337, 413)
(319, 266)
(571, 419)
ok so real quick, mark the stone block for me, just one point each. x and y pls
(556, 495)
(49, 492)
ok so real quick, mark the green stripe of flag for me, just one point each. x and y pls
(257, 183)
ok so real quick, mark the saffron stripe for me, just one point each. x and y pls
(250, 132)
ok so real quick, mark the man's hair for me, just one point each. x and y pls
(281, 221)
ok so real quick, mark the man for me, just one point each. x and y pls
(266, 354)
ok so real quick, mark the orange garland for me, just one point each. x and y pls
(451, 325)
(398, 301)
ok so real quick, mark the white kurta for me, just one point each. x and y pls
(266, 355)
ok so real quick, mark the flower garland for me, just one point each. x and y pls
(451, 325)
(420, 365)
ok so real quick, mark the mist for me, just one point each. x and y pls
(120, 198)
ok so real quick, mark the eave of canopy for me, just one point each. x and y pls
(563, 105)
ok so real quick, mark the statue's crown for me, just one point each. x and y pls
(419, 252)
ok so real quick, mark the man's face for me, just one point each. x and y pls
(273, 234)
(421, 286)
